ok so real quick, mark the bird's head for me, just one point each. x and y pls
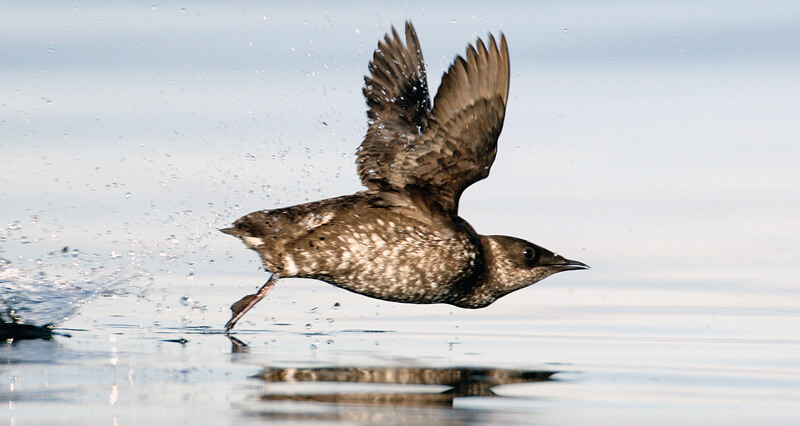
(512, 264)
(246, 229)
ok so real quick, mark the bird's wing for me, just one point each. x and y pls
(398, 105)
(431, 156)
(459, 145)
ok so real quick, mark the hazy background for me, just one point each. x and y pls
(651, 140)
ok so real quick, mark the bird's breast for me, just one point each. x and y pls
(386, 256)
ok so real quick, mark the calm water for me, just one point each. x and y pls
(656, 143)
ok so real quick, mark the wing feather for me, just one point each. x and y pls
(418, 153)
(398, 105)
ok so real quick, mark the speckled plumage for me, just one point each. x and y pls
(402, 239)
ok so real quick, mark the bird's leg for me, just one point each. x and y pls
(241, 307)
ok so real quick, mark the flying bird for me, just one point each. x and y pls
(401, 239)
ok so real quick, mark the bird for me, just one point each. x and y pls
(401, 239)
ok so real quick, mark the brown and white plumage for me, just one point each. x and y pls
(402, 239)
(433, 154)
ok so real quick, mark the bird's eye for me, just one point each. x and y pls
(529, 253)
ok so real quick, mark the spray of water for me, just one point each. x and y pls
(50, 289)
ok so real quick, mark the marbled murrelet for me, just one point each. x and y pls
(402, 239)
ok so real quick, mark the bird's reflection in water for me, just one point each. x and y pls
(392, 394)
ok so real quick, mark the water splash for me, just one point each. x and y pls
(51, 289)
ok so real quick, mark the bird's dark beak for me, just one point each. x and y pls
(564, 264)
(229, 231)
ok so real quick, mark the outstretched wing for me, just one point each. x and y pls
(432, 156)
(398, 102)
(459, 145)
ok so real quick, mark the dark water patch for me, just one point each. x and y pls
(12, 331)
(194, 329)
(48, 396)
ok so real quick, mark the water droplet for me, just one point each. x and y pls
(565, 30)
(127, 195)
